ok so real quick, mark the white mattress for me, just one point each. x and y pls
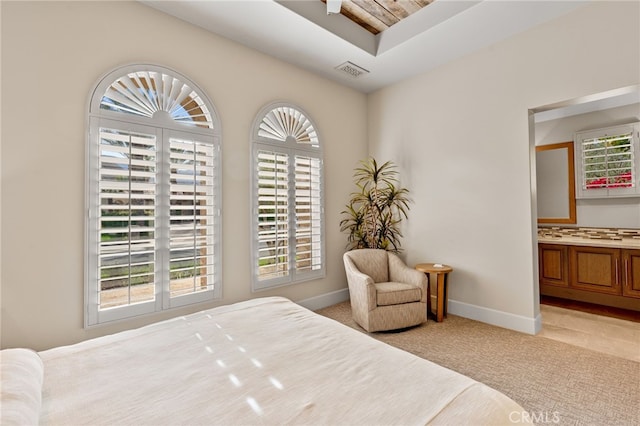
(264, 361)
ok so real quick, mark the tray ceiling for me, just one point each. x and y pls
(302, 33)
(376, 16)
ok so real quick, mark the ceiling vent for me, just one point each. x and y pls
(352, 69)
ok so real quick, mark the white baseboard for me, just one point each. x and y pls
(497, 318)
(474, 312)
(324, 300)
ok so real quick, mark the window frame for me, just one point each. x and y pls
(607, 192)
(164, 128)
(291, 148)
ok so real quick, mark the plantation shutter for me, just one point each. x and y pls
(143, 93)
(608, 162)
(153, 195)
(127, 206)
(192, 216)
(273, 215)
(287, 225)
(308, 214)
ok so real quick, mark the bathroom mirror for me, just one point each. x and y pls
(555, 181)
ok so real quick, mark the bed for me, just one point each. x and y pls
(265, 361)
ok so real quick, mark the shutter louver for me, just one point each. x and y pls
(273, 215)
(192, 216)
(127, 208)
(143, 93)
(308, 210)
(608, 162)
(282, 123)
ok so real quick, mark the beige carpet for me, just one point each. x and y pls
(555, 382)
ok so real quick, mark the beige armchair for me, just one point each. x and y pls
(385, 293)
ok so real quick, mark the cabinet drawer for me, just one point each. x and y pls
(595, 269)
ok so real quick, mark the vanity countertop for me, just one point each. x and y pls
(595, 237)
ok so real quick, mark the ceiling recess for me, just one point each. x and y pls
(375, 16)
(352, 69)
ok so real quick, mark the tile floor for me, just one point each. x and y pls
(599, 333)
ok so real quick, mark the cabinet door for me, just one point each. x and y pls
(595, 269)
(553, 265)
(631, 279)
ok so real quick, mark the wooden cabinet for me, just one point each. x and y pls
(631, 282)
(595, 269)
(603, 275)
(553, 265)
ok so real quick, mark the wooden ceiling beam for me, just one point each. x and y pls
(376, 11)
(377, 15)
(362, 17)
(400, 9)
(424, 3)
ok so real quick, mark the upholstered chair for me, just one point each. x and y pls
(385, 293)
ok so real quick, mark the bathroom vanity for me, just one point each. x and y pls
(595, 265)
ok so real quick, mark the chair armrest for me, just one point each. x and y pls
(401, 273)
(361, 286)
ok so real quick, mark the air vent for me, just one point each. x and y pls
(352, 69)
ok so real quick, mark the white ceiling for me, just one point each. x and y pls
(301, 33)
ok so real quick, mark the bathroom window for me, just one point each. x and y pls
(608, 162)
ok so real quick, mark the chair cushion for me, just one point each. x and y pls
(392, 293)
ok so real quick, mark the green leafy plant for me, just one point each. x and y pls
(374, 213)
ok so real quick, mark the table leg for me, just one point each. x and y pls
(428, 295)
(441, 301)
(445, 299)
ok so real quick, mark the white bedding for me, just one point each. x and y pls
(263, 361)
(21, 372)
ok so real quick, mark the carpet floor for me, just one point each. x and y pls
(555, 382)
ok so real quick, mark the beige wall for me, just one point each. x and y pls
(52, 56)
(461, 136)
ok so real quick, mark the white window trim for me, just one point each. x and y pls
(164, 128)
(291, 148)
(579, 137)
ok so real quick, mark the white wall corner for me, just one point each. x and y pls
(324, 300)
(498, 318)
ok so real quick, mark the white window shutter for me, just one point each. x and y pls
(308, 204)
(273, 215)
(287, 225)
(127, 207)
(608, 162)
(153, 197)
(192, 216)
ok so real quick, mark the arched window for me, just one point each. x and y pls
(153, 195)
(287, 195)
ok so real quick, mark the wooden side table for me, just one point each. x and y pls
(442, 272)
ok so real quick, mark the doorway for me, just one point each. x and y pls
(556, 123)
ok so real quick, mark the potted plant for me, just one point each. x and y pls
(374, 212)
